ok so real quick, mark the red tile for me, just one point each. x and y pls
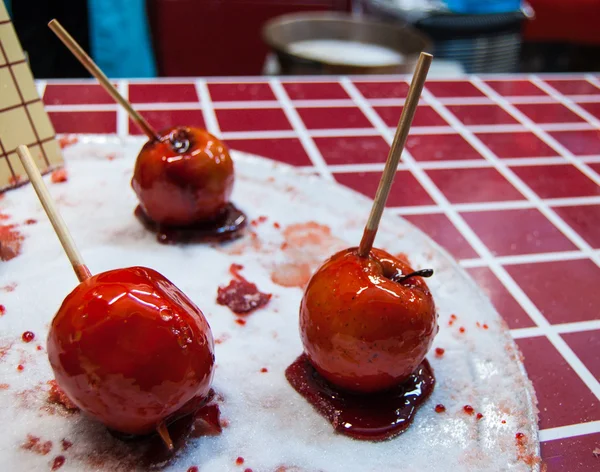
(586, 344)
(453, 89)
(584, 219)
(161, 119)
(76, 94)
(474, 185)
(162, 93)
(574, 87)
(288, 150)
(515, 88)
(571, 454)
(425, 116)
(353, 149)
(333, 117)
(240, 92)
(557, 181)
(406, 191)
(383, 89)
(519, 144)
(549, 113)
(443, 232)
(472, 115)
(503, 301)
(593, 108)
(580, 143)
(253, 119)
(595, 167)
(440, 147)
(523, 231)
(315, 90)
(84, 121)
(564, 291)
(563, 398)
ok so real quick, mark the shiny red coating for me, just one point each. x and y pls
(180, 187)
(131, 350)
(363, 331)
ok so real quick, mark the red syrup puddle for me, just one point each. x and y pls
(226, 227)
(241, 296)
(373, 417)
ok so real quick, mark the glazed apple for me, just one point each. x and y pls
(366, 323)
(184, 178)
(131, 350)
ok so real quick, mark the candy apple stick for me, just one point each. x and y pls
(408, 113)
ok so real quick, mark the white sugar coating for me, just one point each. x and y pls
(269, 424)
(338, 51)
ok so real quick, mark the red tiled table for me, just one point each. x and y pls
(503, 171)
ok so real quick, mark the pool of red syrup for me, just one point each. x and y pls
(241, 295)
(229, 225)
(374, 417)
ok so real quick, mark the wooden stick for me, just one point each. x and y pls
(163, 432)
(408, 113)
(62, 232)
(86, 61)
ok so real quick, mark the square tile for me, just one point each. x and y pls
(25, 80)
(240, 92)
(333, 117)
(592, 107)
(515, 88)
(585, 219)
(425, 116)
(549, 113)
(43, 126)
(353, 149)
(573, 454)
(84, 121)
(288, 150)
(76, 94)
(162, 119)
(10, 43)
(574, 87)
(564, 291)
(581, 142)
(253, 119)
(383, 89)
(162, 93)
(523, 231)
(509, 308)
(586, 344)
(557, 181)
(440, 147)
(513, 145)
(16, 128)
(474, 185)
(458, 88)
(443, 232)
(474, 115)
(406, 190)
(555, 383)
(10, 93)
(315, 91)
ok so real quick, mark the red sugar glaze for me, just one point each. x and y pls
(354, 414)
(10, 242)
(58, 462)
(264, 369)
(479, 416)
(239, 461)
(440, 408)
(241, 296)
(439, 352)
(58, 397)
(462, 329)
(28, 336)
(193, 469)
(59, 176)
(20, 367)
(30, 221)
(35, 444)
(468, 409)
(65, 445)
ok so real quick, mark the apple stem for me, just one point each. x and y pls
(58, 223)
(416, 273)
(163, 432)
(387, 178)
(92, 68)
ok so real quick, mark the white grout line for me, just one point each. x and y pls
(562, 328)
(292, 115)
(570, 431)
(210, 118)
(122, 116)
(415, 210)
(558, 256)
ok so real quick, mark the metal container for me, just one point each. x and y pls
(283, 31)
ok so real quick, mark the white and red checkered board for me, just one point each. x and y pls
(503, 171)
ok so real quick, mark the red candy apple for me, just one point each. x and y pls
(365, 326)
(184, 178)
(131, 350)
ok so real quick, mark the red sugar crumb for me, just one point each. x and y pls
(4, 348)
(240, 321)
(468, 409)
(10, 287)
(248, 469)
(10, 242)
(453, 317)
(65, 141)
(241, 296)
(4, 386)
(462, 329)
(520, 436)
(14, 180)
(59, 176)
(30, 221)
(440, 408)
(58, 462)
(264, 369)
(485, 326)
(65, 444)
(20, 367)
(224, 422)
(27, 336)
(239, 461)
(276, 225)
(57, 396)
(111, 156)
(39, 348)
(2, 310)
(596, 452)
(479, 416)
(34, 444)
(261, 219)
(478, 324)
(193, 469)
(439, 352)
(503, 421)
(221, 339)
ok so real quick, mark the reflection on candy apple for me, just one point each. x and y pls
(131, 350)
(365, 326)
(184, 178)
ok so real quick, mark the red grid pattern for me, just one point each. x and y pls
(503, 171)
